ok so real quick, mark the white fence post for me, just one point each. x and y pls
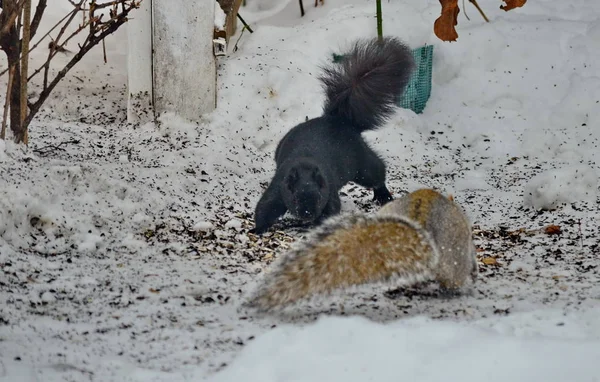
(184, 63)
(139, 65)
(171, 63)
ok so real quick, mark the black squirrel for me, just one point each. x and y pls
(420, 237)
(315, 159)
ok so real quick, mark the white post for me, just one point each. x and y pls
(139, 65)
(184, 65)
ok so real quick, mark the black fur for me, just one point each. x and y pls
(318, 157)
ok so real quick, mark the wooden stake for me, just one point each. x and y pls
(104, 52)
(379, 20)
(11, 76)
(24, 68)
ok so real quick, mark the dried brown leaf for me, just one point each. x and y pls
(512, 4)
(444, 25)
(552, 230)
(490, 261)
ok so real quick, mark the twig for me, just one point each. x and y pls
(46, 254)
(52, 53)
(104, 5)
(60, 47)
(301, 8)
(49, 148)
(580, 233)
(235, 47)
(83, 15)
(245, 24)
(92, 40)
(20, 17)
(465, 10)
(37, 17)
(91, 16)
(379, 20)
(104, 51)
(474, 2)
(38, 43)
(11, 75)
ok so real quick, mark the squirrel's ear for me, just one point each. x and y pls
(451, 197)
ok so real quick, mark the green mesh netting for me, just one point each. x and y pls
(418, 90)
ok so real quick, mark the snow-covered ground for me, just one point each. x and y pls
(125, 253)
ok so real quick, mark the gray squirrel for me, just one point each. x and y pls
(420, 237)
(315, 159)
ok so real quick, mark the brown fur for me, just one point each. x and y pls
(415, 238)
(348, 251)
(449, 228)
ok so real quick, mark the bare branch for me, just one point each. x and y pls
(50, 148)
(38, 43)
(92, 40)
(64, 28)
(41, 39)
(98, 25)
(52, 52)
(15, 12)
(108, 4)
(37, 17)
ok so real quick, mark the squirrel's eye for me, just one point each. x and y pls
(320, 181)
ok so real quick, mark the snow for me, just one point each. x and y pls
(220, 17)
(125, 253)
(234, 223)
(3, 156)
(420, 349)
(560, 186)
(203, 226)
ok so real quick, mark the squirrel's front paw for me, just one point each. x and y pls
(258, 230)
(382, 195)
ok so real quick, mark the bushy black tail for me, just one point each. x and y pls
(364, 87)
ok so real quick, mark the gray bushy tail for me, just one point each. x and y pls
(364, 87)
